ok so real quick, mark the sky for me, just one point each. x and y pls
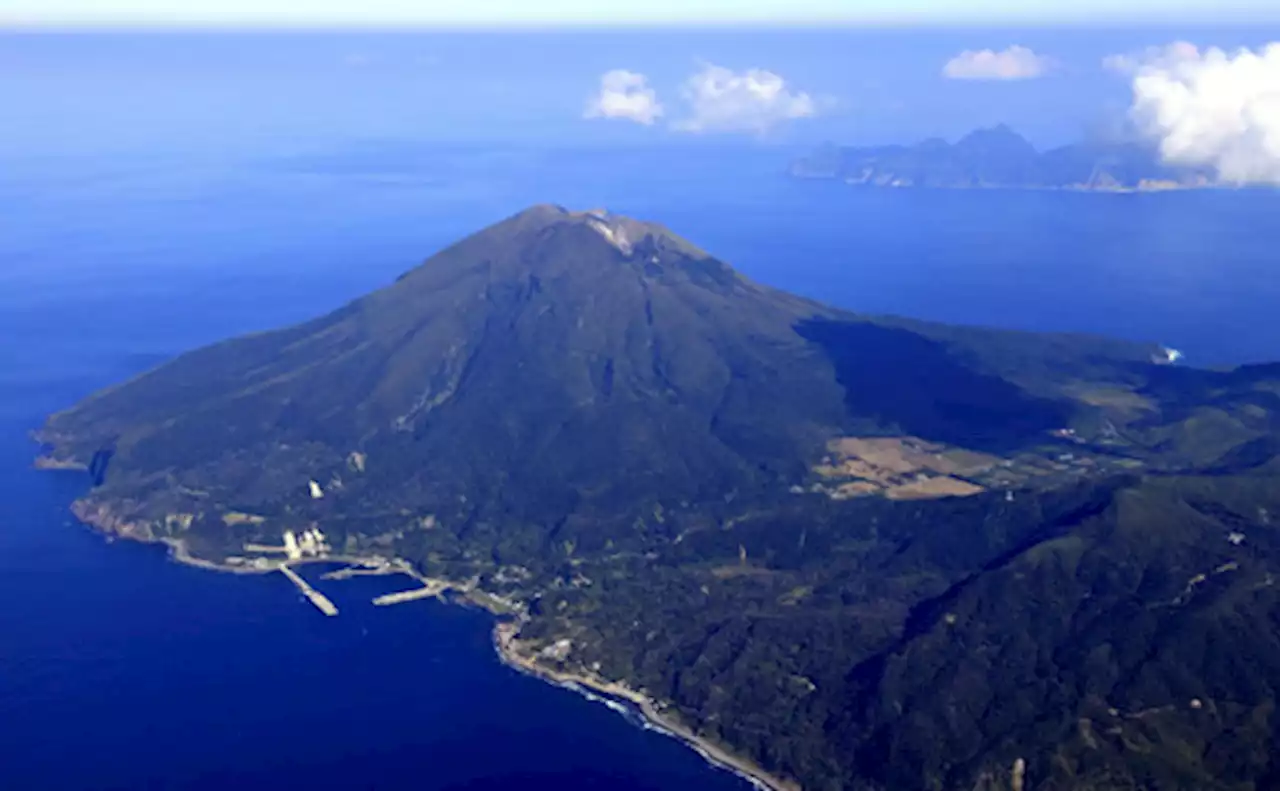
(801, 87)
(1206, 93)
(558, 12)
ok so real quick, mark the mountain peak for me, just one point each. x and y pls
(548, 242)
(999, 140)
(620, 231)
(557, 360)
(563, 348)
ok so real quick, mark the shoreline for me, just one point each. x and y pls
(1152, 188)
(102, 523)
(505, 634)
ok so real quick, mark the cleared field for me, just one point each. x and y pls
(902, 468)
(930, 488)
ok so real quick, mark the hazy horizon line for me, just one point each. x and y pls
(1217, 21)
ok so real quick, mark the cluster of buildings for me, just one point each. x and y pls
(310, 543)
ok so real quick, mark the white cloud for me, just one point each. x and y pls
(755, 100)
(1210, 108)
(626, 95)
(1014, 63)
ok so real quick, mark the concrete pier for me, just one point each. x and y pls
(361, 571)
(428, 590)
(317, 598)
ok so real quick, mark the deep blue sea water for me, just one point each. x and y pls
(119, 669)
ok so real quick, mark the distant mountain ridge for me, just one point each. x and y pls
(1000, 158)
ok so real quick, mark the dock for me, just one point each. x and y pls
(428, 590)
(361, 570)
(317, 598)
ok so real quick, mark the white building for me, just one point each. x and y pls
(291, 548)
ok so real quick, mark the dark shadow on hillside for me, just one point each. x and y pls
(903, 382)
(1257, 455)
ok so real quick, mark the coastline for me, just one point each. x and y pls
(1147, 189)
(178, 552)
(505, 637)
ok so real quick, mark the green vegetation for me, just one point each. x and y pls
(614, 431)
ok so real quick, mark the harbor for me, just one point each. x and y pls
(311, 546)
(364, 567)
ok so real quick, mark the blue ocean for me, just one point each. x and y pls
(120, 669)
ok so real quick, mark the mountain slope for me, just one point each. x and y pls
(559, 356)
(999, 157)
(863, 552)
(541, 339)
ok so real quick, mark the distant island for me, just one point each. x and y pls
(832, 551)
(1001, 158)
